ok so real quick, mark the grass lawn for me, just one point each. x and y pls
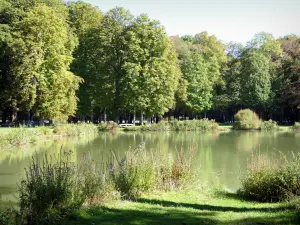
(4, 130)
(187, 208)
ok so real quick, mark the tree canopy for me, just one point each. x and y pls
(68, 59)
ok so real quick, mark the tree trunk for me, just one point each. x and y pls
(14, 114)
(42, 121)
(133, 118)
(105, 116)
(142, 118)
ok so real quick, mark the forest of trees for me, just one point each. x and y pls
(63, 60)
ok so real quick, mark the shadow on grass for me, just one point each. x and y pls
(173, 216)
(155, 216)
(209, 207)
(161, 212)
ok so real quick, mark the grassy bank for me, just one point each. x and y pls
(12, 137)
(178, 125)
(188, 207)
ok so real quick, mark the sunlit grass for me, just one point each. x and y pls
(192, 207)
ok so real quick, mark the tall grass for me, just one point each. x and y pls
(54, 188)
(141, 171)
(75, 129)
(269, 125)
(296, 127)
(108, 126)
(23, 136)
(178, 125)
(18, 137)
(271, 180)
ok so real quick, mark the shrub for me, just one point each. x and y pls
(9, 216)
(270, 183)
(108, 126)
(50, 191)
(246, 120)
(269, 125)
(133, 174)
(296, 126)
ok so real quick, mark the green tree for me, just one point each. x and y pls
(196, 74)
(288, 80)
(255, 79)
(151, 73)
(227, 94)
(86, 21)
(40, 55)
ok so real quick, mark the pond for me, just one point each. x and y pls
(220, 157)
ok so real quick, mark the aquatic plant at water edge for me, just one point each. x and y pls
(108, 126)
(246, 119)
(9, 215)
(296, 127)
(50, 190)
(269, 125)
(75, 129)
(140, 171)
(271, 181)
(133, 174)
(18, 136)
(183, 125)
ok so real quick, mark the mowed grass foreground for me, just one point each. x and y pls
(187, 208)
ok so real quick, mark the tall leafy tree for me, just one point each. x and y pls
(289, 73)
(227, 94)
(40, 55)
(255, 80)
(151, 73)
(196, 74)
(86, 21)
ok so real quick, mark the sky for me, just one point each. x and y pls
(229, 20)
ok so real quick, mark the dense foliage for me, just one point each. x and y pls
(61, 59)
(269, 182)
(56, 187)
(269, 125)
(246, 120)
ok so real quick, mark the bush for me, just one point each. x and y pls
(296, 127)
(50, 191)
(133, 174)
(108, 126)
(53, 191)
(269, 125)
(9, 216)
(270, 183)
(246, 120)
